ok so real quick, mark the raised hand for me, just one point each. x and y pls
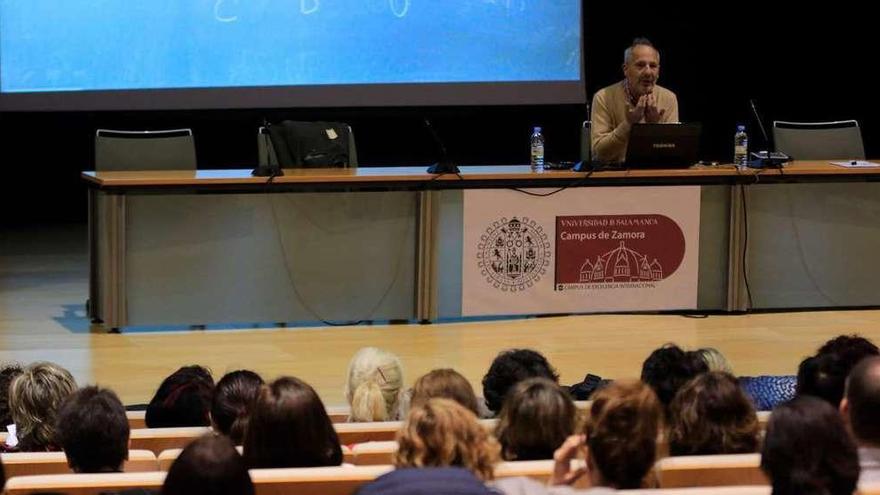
(652, 114)
(635, 115)
(562, 457)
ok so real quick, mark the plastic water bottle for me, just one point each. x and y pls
(741, 147)
(537, 145)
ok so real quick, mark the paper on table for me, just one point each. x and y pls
(856, 164)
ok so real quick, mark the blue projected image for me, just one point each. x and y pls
(79, 45)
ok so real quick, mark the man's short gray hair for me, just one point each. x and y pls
(627, 54)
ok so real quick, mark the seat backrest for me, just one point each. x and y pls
(376, 431)
(136, 419)
(341, 480)
(714, 490)
(33, 463)
(144, 150)
(167, 457)
(157, 440)
(710, 470)
(586, 154)
(338, 414)
(292, 144)
(373, 453)
(83, 484)
(819, 140)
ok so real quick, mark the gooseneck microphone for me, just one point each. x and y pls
(444, 165)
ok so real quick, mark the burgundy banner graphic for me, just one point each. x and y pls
(616, 251)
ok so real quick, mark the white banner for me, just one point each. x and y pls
(590, 249)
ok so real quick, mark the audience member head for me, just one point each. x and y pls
(808, 451)
(34, 399)
(373, 387)
(511, 367)
(712, 415)
(446, 383)
(93, 431)
(208, 466)
(861, 404)
(668, 368)
(7, 373)
(183, 399)
(536, 418)
(289, 427)
(824, 375)
(233, 397)
(443, 433)
(852, 348)
(715, 361)
(625, 422)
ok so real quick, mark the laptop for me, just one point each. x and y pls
(663, 146)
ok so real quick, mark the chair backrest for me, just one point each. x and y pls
(33, 463)
(338, 414)
(373, 453)
(710, 470)
(376, 431)
(285, 135)
(83, 484)
(819, 140)
(341, 480)
(144, 150)
(715, 490)
(167, 457)
(157, 440)
(586, 151)
(136, 419)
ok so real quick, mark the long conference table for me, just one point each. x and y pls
(385, 243)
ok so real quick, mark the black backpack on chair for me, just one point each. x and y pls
(311, 144)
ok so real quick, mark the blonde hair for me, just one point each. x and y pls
(375, 379)
(443, 433)
(34, 399)
(715, 360)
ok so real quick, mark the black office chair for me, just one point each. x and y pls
(144, 150)
(293, 144)
(819, 140)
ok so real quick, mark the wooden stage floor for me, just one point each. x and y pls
(44, 283)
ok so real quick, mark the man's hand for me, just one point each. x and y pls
(652, 115)
(562, 457)
(635, 115)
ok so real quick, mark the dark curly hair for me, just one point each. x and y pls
(824, 375)
(511, 367)
(670, 367)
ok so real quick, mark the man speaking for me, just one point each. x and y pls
(636, 99)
